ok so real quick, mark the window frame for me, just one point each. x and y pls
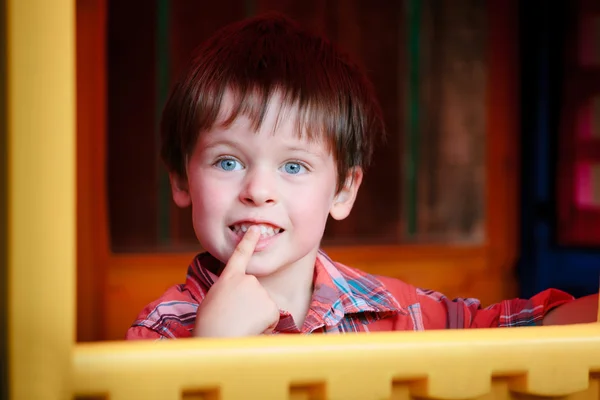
(105, 279)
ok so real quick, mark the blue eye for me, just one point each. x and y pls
(293, 168)
(229, 164)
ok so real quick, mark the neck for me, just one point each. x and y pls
(291, 286)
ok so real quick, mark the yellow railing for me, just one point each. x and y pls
(549, 361)
(45, 362)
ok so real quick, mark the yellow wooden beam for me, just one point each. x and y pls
(41, 196)
(551, 361)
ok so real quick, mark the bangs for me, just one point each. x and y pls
(312, 121)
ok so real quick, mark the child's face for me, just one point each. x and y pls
(237, 177)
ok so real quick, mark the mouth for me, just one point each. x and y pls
(266, 230)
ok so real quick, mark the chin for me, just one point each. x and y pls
(261, 269)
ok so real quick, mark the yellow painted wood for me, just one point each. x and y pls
(544, 361)
(41, 196)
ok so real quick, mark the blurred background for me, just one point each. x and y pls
(488, 186)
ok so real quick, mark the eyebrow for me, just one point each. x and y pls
(235, 145)
(302, 150)
(221, 142)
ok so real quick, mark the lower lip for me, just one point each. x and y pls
(262, 244)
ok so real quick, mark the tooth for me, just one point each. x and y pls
(265, 230)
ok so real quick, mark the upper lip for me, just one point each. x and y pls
(255, 222)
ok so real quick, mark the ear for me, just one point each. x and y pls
(344, 200)
(180, 190)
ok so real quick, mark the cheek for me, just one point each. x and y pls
(210, 197)
(311, 205)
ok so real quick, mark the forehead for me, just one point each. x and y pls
(274, 114)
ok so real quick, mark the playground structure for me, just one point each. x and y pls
(45, 362)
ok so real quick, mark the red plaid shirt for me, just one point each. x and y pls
(346, 300)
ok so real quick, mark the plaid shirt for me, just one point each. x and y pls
(346, 300)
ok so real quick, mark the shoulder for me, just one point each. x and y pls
(401, 300)
(172, 315)
(424, 309)
(389, 292)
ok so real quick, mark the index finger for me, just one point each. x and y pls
(243, 251)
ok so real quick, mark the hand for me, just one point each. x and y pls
(581, 311)
(237, 304)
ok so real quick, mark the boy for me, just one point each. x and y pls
(266, 135)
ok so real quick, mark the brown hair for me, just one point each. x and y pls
(257, 58)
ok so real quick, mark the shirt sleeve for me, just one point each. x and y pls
(172, 316)
(439, 312)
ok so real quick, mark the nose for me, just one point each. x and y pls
(259, 188)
